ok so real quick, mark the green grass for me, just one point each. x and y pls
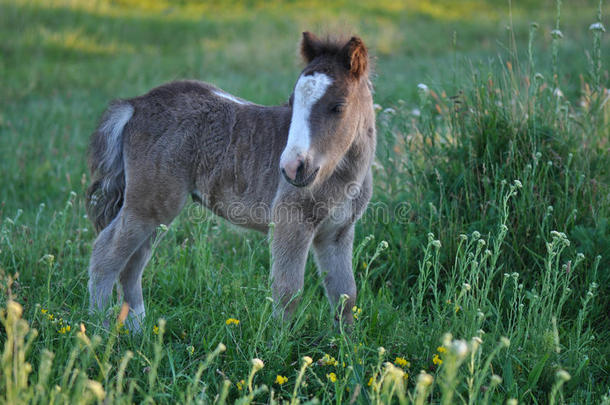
(497, 227)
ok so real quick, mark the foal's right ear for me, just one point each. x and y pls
(310, 46)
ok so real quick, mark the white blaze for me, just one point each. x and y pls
(308, 90)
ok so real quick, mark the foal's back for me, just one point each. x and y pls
(189, 137)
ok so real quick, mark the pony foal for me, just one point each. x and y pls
(304, 166)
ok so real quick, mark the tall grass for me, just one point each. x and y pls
(484, 281)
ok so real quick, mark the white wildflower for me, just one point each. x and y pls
(459, 348)
(505, 341)
(556, 34)
(257, 364)
(558, 93)
(422, 87)
(598, 26)
(563, 375)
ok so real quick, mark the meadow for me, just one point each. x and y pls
(482, 263)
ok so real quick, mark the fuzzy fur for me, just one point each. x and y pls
(188, 138)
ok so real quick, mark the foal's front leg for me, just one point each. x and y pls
(333, 253)
(289, 249)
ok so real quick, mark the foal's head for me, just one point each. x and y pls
(330, 100)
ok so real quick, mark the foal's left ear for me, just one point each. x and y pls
(355, 57)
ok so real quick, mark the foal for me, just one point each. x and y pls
(307, 164)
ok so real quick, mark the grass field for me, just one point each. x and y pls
(490, 219)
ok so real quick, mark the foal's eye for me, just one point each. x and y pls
(337, 108)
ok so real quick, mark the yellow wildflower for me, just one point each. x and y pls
(332, 377)
(156, 330)
(357, 312)
(280, 379)
(371, 381)
(240, 384)
(232, 321)
(402, 362)
(441, 349)
(64, 329)
(437, 360)
(44, 311)
(405, 376)
(327, 360)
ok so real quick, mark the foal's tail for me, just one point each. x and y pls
(105, 194)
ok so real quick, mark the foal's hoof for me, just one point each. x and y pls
(130, 319)
(134, 324)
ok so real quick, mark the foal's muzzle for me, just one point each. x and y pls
(301, 179)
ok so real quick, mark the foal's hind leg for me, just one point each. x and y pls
(131, 284)
(333, 253)
(112, 250)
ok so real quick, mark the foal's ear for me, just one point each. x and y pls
(355, 57)
(310, 46)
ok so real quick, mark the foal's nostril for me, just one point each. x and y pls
(294, 168)
(300, 171)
